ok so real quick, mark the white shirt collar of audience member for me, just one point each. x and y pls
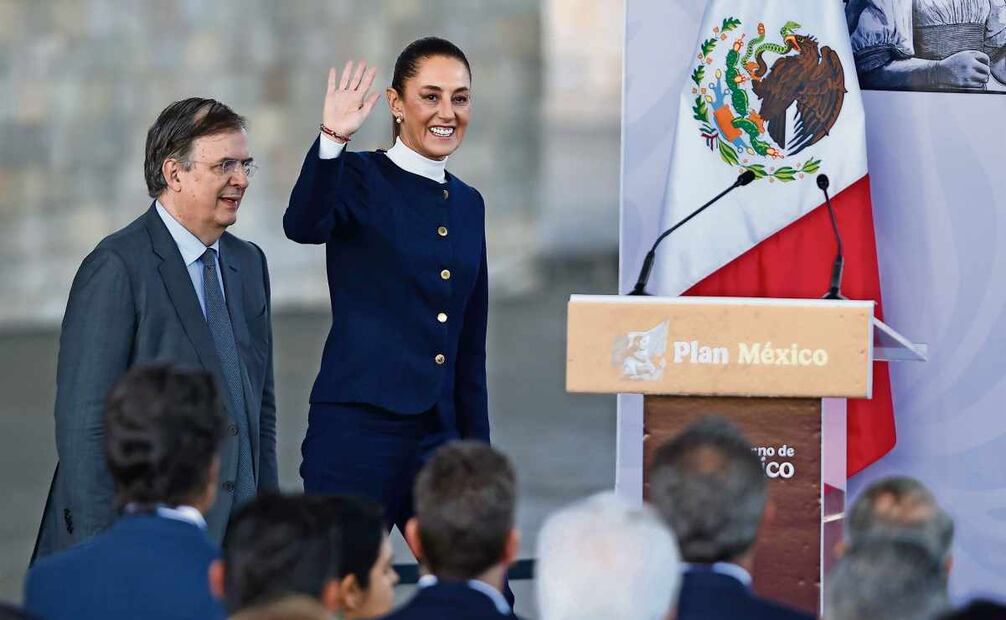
(723, 568)
(480, 586)
(186, 514)
(401, 155)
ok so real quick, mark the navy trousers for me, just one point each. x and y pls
(362, 450)
(366, 451)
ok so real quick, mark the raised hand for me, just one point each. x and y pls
(348, 101)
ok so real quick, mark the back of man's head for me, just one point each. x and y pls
(465, 504)
(293, 607)
(890, 579)
(605, 558)
(708, 485)
(163, 426)
(901, 507)
(278, 545)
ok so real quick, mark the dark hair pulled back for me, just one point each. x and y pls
(407, 65)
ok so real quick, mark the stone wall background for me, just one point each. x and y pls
(81, 81)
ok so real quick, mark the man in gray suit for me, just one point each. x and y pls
(172, 286)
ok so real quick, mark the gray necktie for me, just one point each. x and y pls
(219, 321)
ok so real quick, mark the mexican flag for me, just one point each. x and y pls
(773, 90)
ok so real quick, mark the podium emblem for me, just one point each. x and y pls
(642, 355)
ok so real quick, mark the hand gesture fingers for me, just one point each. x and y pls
(348, 104)
(346, 71)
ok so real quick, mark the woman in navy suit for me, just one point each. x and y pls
(404, 366)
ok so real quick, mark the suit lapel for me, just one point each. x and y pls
(183, 296)
(234, 291)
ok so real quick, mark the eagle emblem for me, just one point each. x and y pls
(768, 100)
(641, 355)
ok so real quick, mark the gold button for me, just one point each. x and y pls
(442, 317)
(442, 231)
(440, 359)
(445, 274)
(446, 194)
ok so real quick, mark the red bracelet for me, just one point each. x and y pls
(329, 132)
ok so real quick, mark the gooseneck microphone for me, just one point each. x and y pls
(835, 288)
(644, 273)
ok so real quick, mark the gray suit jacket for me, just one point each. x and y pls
(132, 302)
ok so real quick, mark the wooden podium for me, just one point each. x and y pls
(765, 364)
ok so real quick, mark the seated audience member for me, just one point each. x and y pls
(888, 580)
(709, 486)
(901, 507)
(293, 607)
(604, 558)
(277, 546)
(978, 610)
(162, 429)
(366, 576)
(464, 534)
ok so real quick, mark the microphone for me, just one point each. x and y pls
(644, 273)
(835, 289)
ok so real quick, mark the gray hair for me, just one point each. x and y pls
(890, 579)
(604, 558)
(901, 507)
(710, 488)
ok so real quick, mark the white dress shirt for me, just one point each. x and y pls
(183, 513)
(192, 249)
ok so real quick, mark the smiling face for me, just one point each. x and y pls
(435, 107)
(204, 197)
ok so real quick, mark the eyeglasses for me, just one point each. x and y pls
(227, 167)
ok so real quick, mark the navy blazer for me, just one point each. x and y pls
(448, 600)
(706, 595)
(132, 302)
(144, 566)
(407, 279)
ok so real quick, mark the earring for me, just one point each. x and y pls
(398, 119)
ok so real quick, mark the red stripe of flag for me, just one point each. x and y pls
(796, 263)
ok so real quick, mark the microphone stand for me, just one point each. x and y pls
(644, 273)
(835, 288)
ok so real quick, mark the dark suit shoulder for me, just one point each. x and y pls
(448, 601)
(707, 595)
(129, 239)
(245, 251)
(781, 612)
(466, 190)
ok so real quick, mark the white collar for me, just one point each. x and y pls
(188, 514)
(191, 248)
(479, 586)
(411, 161)
(723, 568)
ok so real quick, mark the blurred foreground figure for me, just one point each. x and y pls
(604, 558)
(463, 534)
(710, 488)
(901, 508)
(162, 433)
(889, 579)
